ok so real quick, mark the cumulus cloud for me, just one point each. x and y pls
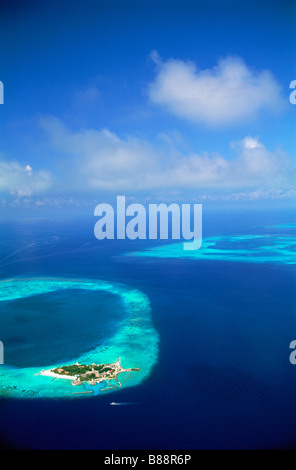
(22, 181)
(228, 93)
(101, 160)
(28, 169)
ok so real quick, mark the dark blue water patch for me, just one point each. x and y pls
(225, 384)
(57, 327)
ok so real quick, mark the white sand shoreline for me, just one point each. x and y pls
(49, 373)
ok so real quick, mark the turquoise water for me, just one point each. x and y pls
(132, 338)
(277, 248)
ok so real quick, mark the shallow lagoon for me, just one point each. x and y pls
(123, 328)
(274, 248)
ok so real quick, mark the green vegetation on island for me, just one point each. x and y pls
(81, 369)
(91, 373)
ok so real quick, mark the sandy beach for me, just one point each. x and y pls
(49, 373)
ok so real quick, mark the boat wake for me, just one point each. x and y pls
(125, 403)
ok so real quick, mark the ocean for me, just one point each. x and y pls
(211, 333)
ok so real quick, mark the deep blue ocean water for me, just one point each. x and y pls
(223, 377)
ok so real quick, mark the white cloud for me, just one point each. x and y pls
(20, 180)
(228, 93)
(256, 195)
(101, 160)
(28, 169)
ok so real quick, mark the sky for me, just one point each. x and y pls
(161, 100)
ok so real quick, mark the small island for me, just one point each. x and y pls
(88, 373)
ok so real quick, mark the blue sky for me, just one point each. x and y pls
(169, 100)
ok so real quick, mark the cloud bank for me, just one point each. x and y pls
(101, 160)
(229, 93)
(21, 181)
